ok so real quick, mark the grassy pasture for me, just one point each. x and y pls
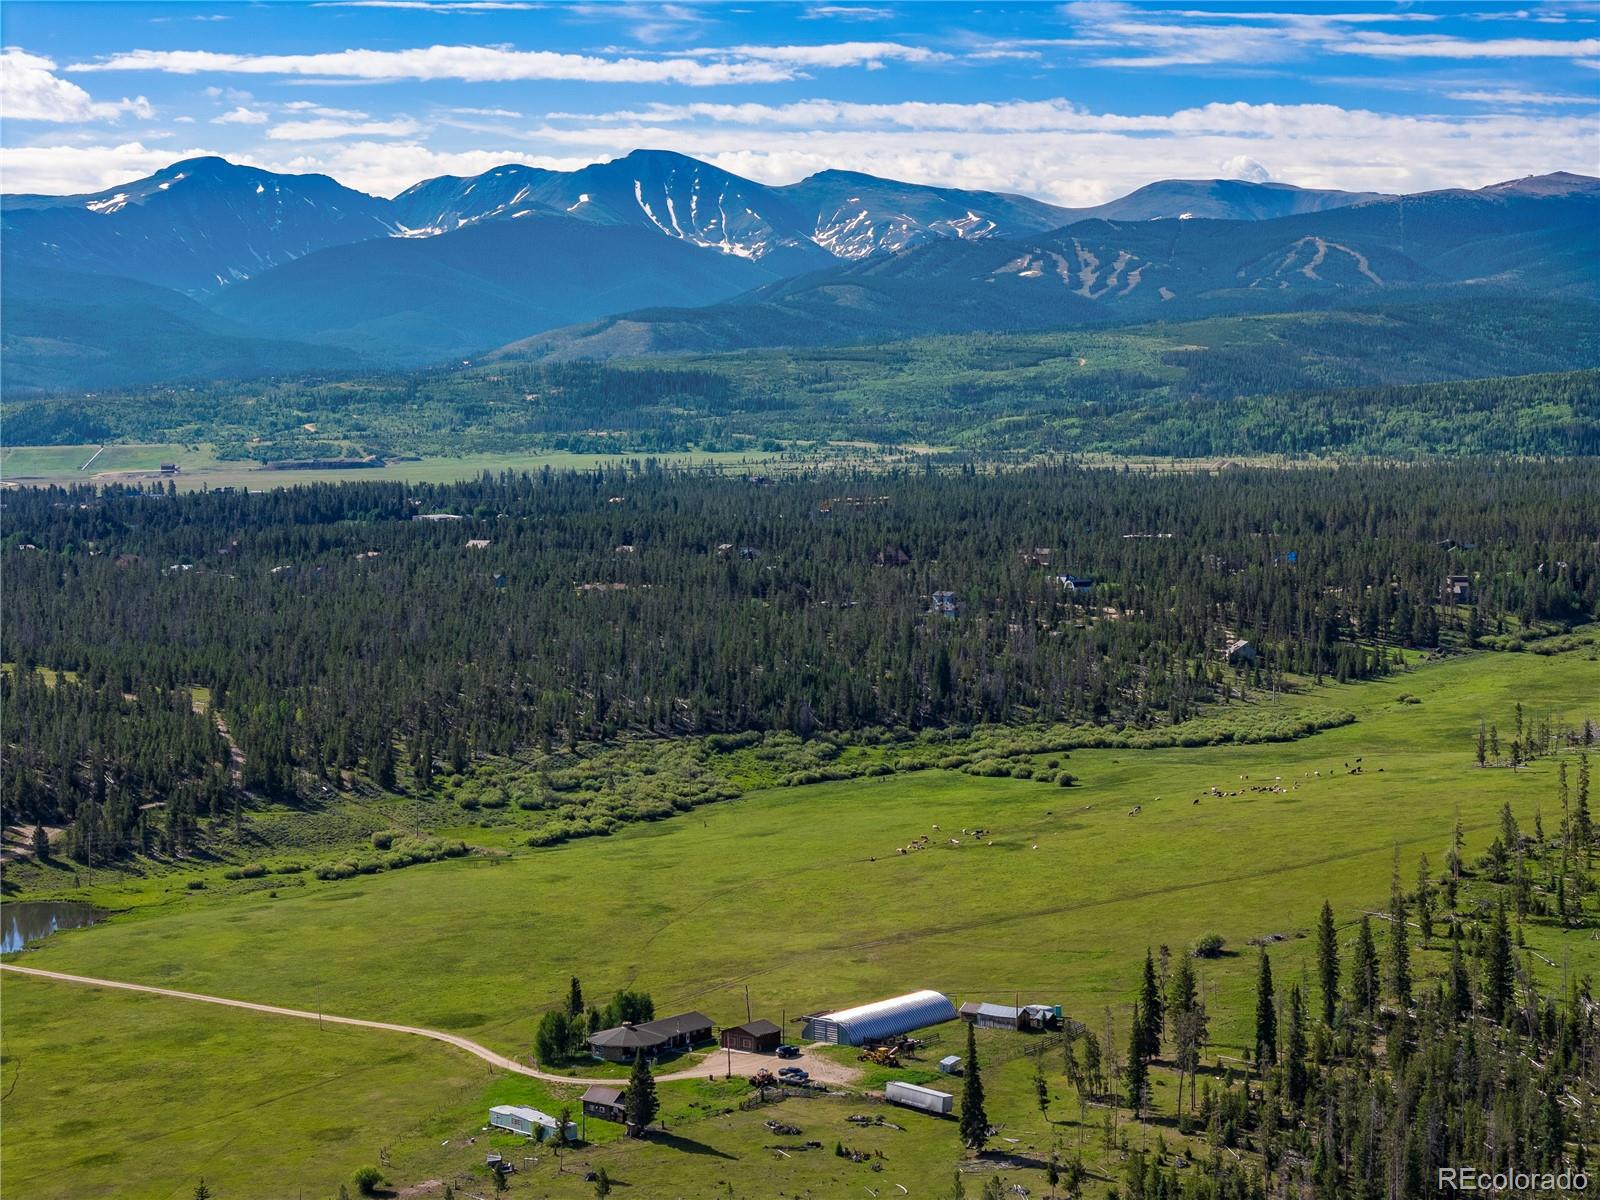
(800, 894)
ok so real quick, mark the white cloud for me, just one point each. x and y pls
(1242, 166)
(833, 54)
(477, 64)
(846, 12)
(1516, 96)
(1394, 45)
(242, 116)
(385, 168)
(31, 91)
(326, 130)
(506, 113)
(58, 170)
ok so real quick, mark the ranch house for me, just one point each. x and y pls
(755, 1036)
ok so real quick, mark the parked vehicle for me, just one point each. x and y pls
(788, 1051)
(793, 1075)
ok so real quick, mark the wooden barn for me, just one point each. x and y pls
(757, 1036)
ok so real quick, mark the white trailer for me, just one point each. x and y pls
(913, 1096)
(529, 1122)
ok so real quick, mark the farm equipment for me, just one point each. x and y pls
(882, 1056)
(763, 1079)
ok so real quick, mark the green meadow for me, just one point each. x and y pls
(799, 894)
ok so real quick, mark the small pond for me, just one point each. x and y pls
(29, 920)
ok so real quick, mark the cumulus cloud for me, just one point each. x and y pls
(242, 116)
(31, 91)
(59, 170)
(1242, 166)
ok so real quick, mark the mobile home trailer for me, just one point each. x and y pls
(529, 1122)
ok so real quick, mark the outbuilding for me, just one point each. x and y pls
(606, 1103)
(755, 1036)
(1005, 1016)
(881, 1019)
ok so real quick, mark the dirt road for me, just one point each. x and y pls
(717, 1064)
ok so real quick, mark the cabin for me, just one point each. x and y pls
(606, 1103)
(170, 468)
(945, 604)
(477, 543)
(756, 1037)
(1457, 589)
(1076, 583)
(1240, 651)
(651, 1038)
(1028, 1018)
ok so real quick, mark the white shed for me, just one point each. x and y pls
(529, 1122)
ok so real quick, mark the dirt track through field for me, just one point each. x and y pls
(744, 1064)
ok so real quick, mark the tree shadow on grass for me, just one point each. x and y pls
(689, 1145)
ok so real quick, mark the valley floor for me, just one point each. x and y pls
(800, 895)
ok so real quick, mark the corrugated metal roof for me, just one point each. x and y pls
(898, 1014)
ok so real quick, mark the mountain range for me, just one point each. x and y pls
(208, 269)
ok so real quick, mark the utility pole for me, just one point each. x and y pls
(747, 1002)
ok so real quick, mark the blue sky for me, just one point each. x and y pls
(1074, 103)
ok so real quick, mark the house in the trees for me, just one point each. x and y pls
(1076, 583)
(1457, 589)
(757, 1037)
(1239, 652)
(651, 1038)
(945, 604)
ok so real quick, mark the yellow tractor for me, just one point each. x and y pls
(882, 1056)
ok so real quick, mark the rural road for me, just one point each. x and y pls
(747, 1064)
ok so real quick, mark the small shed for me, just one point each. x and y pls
(1076, 583)
(1240, 651)
(945, 604)
(477, 543)
(606, 1103)
(1457, 589)
(529, 1122)
(950, 1064)
(755, 1036)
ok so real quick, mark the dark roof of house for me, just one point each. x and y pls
(600, 1094)
(649, 1034)
(628, 1037)
(757, 1028)
(689, 1022)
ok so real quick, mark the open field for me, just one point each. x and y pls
(800, 895)
(199, 466)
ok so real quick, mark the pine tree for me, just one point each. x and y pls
(574, 999)
(1582, 822)
(1266, 1017)
(1499, 966)
(1399, 943)
(1460, 983)
(1298, 1077)
(641, 1104)
(201, 1191)
(974, 1120)
(1150, 1007)
(1138, 1073)
(1328, 964)
(1364, 973)
(1424, 900)
(41, 851)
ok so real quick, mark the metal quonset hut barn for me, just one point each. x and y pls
(881, 1019)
